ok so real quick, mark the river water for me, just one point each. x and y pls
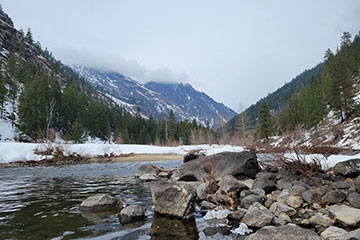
(42, 203)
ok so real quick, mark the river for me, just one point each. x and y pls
(42, 203)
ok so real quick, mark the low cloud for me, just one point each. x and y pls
(112, 63)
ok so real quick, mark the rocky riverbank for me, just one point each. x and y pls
(242, 200)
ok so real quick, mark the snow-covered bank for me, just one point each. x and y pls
(15, 151)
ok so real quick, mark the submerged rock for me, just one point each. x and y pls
(286, 232)
(173, 199)
(132, 213)
(239, 165)
(99, 203)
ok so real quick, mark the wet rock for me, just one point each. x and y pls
(240, 165)
(212, 230)
(204, 189)
(319, 219)
(294, 201)
(132, 213)
(311, 196)
(257, 216)
(173, 199)
(231, 184)
(265, 181)
(354, 199)
(333, 197)
(333, 233)
(146, 169)
(277, 208)
(345, 215)
(100, 203)
(348, 168)
(357, 184)
(207, 205)
(192, 156)
(287, 232)
(339, 185)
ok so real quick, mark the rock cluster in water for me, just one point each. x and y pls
(232, 190)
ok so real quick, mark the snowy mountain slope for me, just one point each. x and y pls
(157, 99)
(194, 102)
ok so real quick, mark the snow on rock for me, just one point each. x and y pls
(217, 214)
(15, 151)
(7, 131)
(242, 230)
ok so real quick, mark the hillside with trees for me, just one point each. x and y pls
(43, 99)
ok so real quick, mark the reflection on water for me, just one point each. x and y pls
(42, 202)
(164, 228)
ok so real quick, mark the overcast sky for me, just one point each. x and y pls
(235, 51)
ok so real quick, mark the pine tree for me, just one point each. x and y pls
(77, 132)
(265, 123)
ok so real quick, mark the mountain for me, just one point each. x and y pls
(157, 99)
(194, 102)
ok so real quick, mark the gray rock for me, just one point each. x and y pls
(257, 216)
(240, 165)
(339, 185)
(237, 215)
(173, 199)
(100, 203)
(204, 189)
(192, 156)
(345, 215)
(320, 219)
(277, 208)
(277, 222)
(333, 233)
(294, 201)
(354, 199)
(311, 196)
(131, 214)
(347, 168)
(145, 169)
(248, 182)
(207, 205)
(231, 184)
(249, 200)
(353, 235)
(333, 197)
(147, 177)
(283, 196)
(245, 193)
(357, 184)
(297, 190)
(212, 230)
(265, 181)
(287, 232)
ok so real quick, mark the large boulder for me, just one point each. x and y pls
(100, 203)
(347, 168)
(240, 165)
(257, 216)
(345, 215)
(173, 199)
(131, 214)
(286, 232)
